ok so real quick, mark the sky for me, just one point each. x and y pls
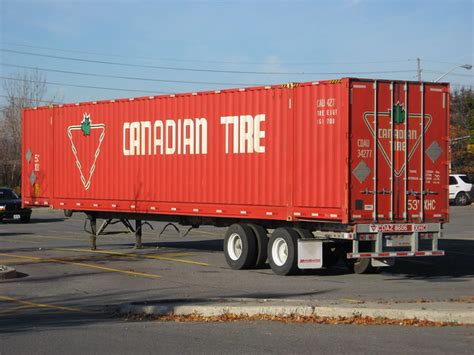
(207, 45)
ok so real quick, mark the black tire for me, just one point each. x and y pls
(280, 239)
(261, 237)
(461, 199)
(361, 265)
(68, 213)
(25, 218)
(240, 247)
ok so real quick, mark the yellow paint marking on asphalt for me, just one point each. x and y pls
(30, 304)
(135, 255)
(59, 261)
(13, 261)
(63, 231)
(111, 252)
(39, 236)
(14, 309)
(61, 238)
(210, 233)
(352, 300)
(19, 241)
(175, 255)
(177, 260)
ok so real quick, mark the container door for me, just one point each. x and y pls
(398, 169)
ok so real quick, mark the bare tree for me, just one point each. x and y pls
(25, 89)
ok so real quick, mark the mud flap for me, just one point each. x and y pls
(310, 254)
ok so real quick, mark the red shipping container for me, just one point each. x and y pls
(311, 151)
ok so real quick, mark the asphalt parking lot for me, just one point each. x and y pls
(60, 275)
(52, 254)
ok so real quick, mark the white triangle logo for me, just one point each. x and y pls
(100, 126)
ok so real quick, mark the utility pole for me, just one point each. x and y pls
(418, 68)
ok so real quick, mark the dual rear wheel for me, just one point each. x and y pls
(247, 246)
(283, 251)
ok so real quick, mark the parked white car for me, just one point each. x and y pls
(461, 189)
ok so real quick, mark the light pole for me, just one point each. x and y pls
(465, 66)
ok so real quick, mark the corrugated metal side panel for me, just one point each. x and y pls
(37, 128)
(436, 154)
(321, 148)
(217, 177)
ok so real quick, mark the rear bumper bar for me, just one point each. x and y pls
(395, 254)
(380, 234)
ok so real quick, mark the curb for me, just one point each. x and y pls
(7, 272)
(436, 312)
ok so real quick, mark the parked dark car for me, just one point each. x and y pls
(10, 206)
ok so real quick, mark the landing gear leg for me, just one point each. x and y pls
(138, 234)
(93, 237)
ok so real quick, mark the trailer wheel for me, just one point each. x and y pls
(240, 247)
(262, 244)
(283, 251)
(361, 265)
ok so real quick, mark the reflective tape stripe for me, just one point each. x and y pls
(395, 254)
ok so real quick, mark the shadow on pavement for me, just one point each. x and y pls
(31, 320)
(203, 245)
(59, 311)
(11, 234)
(33, 220)
(46, 220)
(456, 266)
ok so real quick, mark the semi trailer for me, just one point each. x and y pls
(302, 174)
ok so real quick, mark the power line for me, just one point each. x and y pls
(199, 69)
(57, 103)
(199, 60)
(442, 72)
(461, 85)
(441, 62)
(83, 86)
(19, 98)
(128, 77)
